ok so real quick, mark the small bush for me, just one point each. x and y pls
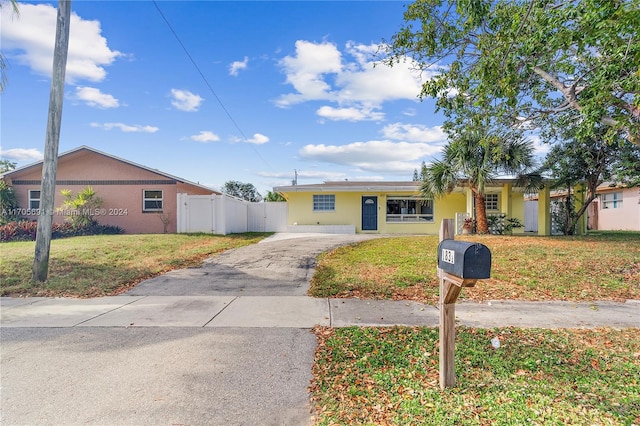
(26, 230)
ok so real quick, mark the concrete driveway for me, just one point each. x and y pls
(278, 266)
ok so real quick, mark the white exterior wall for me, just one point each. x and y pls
(626, 217)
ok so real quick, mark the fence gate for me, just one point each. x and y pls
(530, 216)
(196, 213)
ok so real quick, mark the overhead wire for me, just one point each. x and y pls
(193, 62)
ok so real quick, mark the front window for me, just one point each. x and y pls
(324, 202)
(34, 199)
(491, 202)
(611, 200)
(409, 209)
(152, 201)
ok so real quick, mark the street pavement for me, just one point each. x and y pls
(225, 344)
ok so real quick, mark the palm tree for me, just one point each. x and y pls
(474, 159)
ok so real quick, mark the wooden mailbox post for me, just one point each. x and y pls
(450, 286)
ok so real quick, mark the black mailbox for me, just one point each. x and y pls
(464, 259)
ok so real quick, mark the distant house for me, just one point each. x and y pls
(615, 208)
(136, 198)
(397, 207)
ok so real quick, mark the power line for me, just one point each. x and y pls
(186, 51)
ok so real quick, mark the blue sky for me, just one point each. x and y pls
(288, 85)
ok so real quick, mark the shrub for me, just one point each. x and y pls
(26, 230)
(501, 225)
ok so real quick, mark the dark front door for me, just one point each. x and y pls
(369, 213)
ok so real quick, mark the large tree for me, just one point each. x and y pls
(474, 158)
(588, 162)
(540, 62)
(245, 191)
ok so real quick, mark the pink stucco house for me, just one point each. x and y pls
(136, 198)
(616, 208)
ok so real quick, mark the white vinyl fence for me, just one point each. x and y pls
(222, 214)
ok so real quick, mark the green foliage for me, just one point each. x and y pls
(274, 197)
(7, 165)
(588, 161)
(9, 206)
(25, 230)
(543, 63)
(501, 225)
(81, 208)
(8, 203)
(475, 158)
(417, 177)
(244, 191)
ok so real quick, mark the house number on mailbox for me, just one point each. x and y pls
(448, 256)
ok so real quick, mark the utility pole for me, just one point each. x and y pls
(50, 162)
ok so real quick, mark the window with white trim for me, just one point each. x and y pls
(324, 202)
(34, 199)
(409, 209)
(611, 200)
(152, 200)
(492, 202)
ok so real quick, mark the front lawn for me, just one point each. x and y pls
(390, 376)
(108, 264)
(599, 266)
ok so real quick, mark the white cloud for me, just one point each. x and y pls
(377, 156)
(305, 71)
(184, 100)
(127, 128)
(237, 66)
(205, 136)
(258, 139)
(351, 78)
(414, 133)
(29, 40)
(22, 154)
(95, 98)
(349, 114)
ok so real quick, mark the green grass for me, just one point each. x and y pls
(380, 376)
(108, 264)
(599, 266)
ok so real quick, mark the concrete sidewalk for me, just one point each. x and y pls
(302, 312)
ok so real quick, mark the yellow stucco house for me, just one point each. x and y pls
(398, 208)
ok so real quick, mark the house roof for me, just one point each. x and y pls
(131, 163)
(351, 186)
(360, 186)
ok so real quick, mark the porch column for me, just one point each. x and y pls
(544, 212)
(505, 200)
(469, 198)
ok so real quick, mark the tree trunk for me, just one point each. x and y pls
(40, 269)
(482, 227)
